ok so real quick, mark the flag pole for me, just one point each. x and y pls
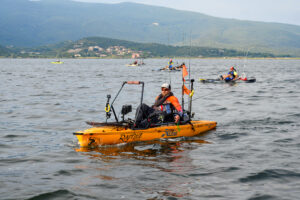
(182, 92)
(184, 74)
(190, 99)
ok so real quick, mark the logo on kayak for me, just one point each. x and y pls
(130, 137)
(170, 132)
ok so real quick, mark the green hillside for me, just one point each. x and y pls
(35, 23)
(113, 48)
(4, 52)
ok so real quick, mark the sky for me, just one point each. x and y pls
(281, 11)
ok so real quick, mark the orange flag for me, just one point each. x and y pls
(184, 72)
(185, 90)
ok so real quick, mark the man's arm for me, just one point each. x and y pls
(174, 101)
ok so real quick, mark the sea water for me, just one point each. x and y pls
(252, 154)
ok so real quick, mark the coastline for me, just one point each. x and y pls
(204, 58)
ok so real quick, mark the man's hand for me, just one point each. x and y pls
(177, 118)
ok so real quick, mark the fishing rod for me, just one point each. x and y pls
(191, 83)
(170, 81)
(190, 56)
(245, 59)
(211, 94)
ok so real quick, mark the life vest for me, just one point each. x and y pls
(233, 74)
(169, 105)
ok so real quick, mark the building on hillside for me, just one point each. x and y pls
(135, 55)
(74, 50)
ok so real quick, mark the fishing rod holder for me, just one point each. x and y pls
(191, 115)
(126, 108)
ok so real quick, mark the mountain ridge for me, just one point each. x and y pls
(35, 23)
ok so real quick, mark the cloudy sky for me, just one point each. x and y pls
(283, 11)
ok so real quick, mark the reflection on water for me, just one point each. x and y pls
(140, 150)
(160, 157)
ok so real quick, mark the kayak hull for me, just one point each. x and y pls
(57, 62)
(108, 135)
(133, 65)
(251, 80)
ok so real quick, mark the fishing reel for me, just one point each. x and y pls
(107, 107)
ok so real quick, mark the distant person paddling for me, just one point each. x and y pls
(231, 76)
(170, 64)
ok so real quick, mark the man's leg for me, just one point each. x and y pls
(142, 112)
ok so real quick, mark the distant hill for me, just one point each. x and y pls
(4, 52)
(34, 23)
(112, 48)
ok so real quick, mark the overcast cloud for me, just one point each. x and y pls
(282, 11)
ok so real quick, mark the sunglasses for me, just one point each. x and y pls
(164, 89)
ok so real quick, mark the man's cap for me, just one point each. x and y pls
(166, 85)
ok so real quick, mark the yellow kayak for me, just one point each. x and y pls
(126, 131)
(57, 62)
(106, 134)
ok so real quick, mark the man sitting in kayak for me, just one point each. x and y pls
(170, 64)
(231, 76)
(165, 109)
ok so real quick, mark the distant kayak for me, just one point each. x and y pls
(170, 70)
(174, 69)
(57, 62)
(250, 80)
(133, 65)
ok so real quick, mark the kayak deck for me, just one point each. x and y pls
(107, 135)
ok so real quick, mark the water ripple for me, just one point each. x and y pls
(252, 154)
(280, 174)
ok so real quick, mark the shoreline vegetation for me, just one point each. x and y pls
(107, 48)
(204, 58)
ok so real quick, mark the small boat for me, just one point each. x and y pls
(170, 70)
(167, 70)
(173, 69)
(133, 65)
(136, 64)
(241, 80)
(57, 62)
(124, 131)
